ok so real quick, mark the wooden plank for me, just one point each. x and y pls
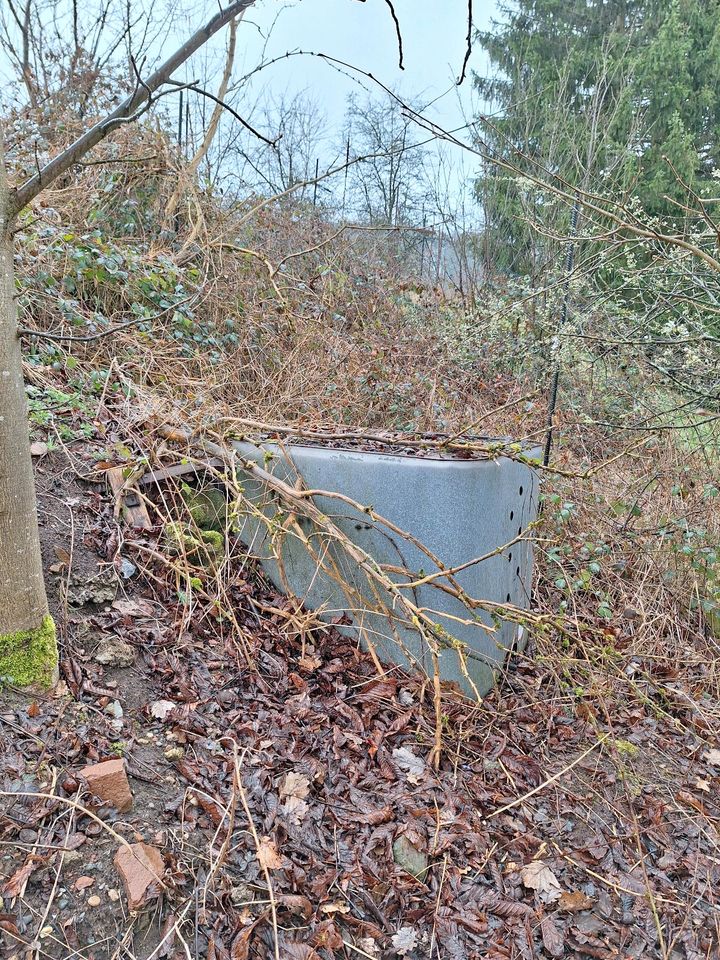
(180, 470)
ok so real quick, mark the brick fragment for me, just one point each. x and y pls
(109, 781)
(141, 868)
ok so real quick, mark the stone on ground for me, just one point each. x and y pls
(409, 857)
(114, 652)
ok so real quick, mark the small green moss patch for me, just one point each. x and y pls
(204, 546)
(207, 506)
(29, 657)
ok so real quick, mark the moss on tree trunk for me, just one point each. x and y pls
(29, 657)
(28, 651)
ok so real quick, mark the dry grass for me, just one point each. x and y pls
(268, 312)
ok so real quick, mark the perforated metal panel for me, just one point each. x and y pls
(459, 509)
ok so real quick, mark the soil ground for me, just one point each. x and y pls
(292, 799)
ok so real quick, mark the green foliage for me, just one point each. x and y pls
(96, 282)
(205, 547)
(697, 552)
(69, 411)
(605, 94)
(580, 564)
(675, 85)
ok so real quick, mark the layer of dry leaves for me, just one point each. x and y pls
(556, 826)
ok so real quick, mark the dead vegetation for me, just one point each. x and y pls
(572, 812)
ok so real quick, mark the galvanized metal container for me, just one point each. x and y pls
(459, 509)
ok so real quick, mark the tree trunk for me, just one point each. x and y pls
(28, 651)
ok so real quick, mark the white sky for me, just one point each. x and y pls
(433, 34)
(361, 33)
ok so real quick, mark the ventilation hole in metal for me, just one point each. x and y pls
(507, 599)
(510, 557)
(519, 530)
(512, 514)
(521, 491)
(517, 572)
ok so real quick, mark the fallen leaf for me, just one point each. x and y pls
(299, 951)
(369, 946)
(268, 856)
(133, 608)
(684, 797)
(537, 875)
(60, 690)
(308, 664)
(293, 791)
(404, 941)
(297, 904)
(713, 757)
(7, 923)
(38, 449)
(552, 936)
(16, 884)
(241, 944)
(413, 767)
(337, 906)
(700, 784)
(374, 817)
(326, 935)
(63, 556)
(161, 708)
(573, 901)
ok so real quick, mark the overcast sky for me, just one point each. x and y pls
(433, 33)
(362, 33)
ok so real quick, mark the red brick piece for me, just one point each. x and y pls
(141, 868)
(109, 781)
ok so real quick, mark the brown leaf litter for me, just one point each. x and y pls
(616, 857)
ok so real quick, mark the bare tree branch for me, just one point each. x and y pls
(226, 106)
(398, 32)
(468, 41)
(77, 150)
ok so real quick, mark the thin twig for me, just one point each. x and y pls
(468, 42)
(550, 780)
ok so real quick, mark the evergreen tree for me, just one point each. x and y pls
(602, 93)
(677, 87)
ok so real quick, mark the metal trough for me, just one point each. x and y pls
(459, 509)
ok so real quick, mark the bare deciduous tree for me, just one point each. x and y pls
(299, 127)
(26, 630)
(388, 187)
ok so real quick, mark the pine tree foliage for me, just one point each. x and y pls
(611, 95)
